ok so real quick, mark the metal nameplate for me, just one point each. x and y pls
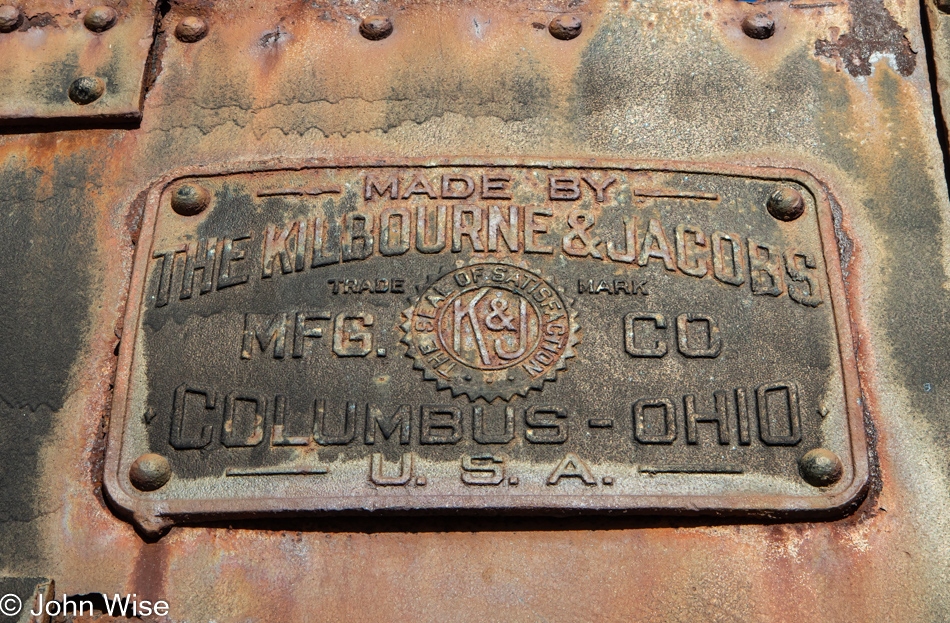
(508, 336)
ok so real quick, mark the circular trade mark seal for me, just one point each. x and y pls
(490, 331)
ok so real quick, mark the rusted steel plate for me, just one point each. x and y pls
(423, 335)
(66, 61)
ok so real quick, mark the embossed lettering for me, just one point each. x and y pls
(264, 329)
(507, 227)
(713, 345)
(422, 229)
(642, 347)
(578, 241)
(394, 240)
(349, 337)
(643, 432)
(357, 236)
(765, 269)
(483, 470)
(656, 245)
(374, 186)
(450, 186)
(387, 425)
(630, 231)
(479, 432)
(467, 222)
(769, 413)
(720, 418)
(692, 256)
(230, 437)
(201, 256)
(378, 477)
(804, 287)
(728, 263)
(543, 424)
(440, 424)
(177, 437)
(320, 429)
(564, 188)
(572, 466)
(533, 227)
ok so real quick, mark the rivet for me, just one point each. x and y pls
(565, 27)
(758, 26)
(86, 90)
(786, 204)
(10, 18)
(608, 480)
(100, 18)
(820, 467)
(150, 472)
(191, 29)
(376, 27)
(513, 481)
(421, 481)
(190, 199)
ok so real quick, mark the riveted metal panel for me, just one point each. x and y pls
(840, 90)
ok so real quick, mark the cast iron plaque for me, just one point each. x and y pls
(460, 335)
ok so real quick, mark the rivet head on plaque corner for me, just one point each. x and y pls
(758, 26)
(191, 29)
(190, 199)
(150, 472)
(786, 204)
(100, 18)
(376, 27)
(86, 90)
(820, 467)
(565, 27)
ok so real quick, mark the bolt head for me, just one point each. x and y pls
(758, 26)
(191, 29)
(820, 467)
(150, 472)
(190, 199)
(376, 27)
(565, 27)
(100, 18)
(786, 204)
(86, 90)
(10, 18)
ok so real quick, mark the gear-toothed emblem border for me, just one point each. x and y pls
(421, 325)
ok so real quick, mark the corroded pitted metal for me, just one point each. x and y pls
(675, 80)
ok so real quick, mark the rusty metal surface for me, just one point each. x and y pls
(649, 80)
(54, 44)
(542, 336)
